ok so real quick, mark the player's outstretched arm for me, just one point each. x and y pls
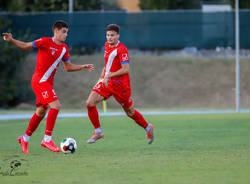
(69, 67)
(21, 45)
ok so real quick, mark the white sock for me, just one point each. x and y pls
(47, 138)
(26, 138)
(98, 130)
(148, 128)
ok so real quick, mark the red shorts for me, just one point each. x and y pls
(121, 92)
(44, 93)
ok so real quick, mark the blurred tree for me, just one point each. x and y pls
(56, 5)
(169, 4)
(13, 89)
(110, 5)
(243, 4)
(185, 4)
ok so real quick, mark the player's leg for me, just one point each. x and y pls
(93, 99)
(55, 107)
(33, 124)
(35, 121)
(136, 116)
(139, 119)
(122, 94)
(50, 123)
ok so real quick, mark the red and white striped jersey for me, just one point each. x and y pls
(49, 56)
(114, 58)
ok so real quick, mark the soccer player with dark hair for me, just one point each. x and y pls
(51, 51)
(115, 81)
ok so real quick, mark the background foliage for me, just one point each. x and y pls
(80, 5)
(13, 88)
(56, 5)
(185, 4)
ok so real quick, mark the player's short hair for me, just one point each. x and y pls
(59, 24)
(113, 27)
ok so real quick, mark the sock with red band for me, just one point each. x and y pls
(51, 120)
(93, 116)
(33, 124)
(139, 119)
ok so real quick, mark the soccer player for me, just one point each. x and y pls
(51, 51)
(114, 81)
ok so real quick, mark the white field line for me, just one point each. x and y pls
(77, 115)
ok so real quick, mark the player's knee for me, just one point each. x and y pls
(89, 103)
(129, 112)
(40, 112)
(56, 105)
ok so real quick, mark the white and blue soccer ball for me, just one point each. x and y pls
(68, 145)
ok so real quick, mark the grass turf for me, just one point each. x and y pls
(188, 149)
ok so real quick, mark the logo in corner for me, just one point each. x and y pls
(13, 169)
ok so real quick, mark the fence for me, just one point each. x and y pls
(149, 29)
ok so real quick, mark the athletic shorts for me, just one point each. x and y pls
(44, 93)
(121, 92)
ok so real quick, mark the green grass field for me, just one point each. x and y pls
(188, 149)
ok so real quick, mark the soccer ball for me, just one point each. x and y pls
(68, 145)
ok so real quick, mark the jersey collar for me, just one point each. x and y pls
(118, 43)
(53, 39)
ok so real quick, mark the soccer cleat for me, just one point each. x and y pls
(150, 134)
(50, 145)
(95, 137)
(24, 145)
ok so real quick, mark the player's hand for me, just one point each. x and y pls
(7, 36)
(105, 80)
(89, 67)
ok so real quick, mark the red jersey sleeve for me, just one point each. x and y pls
(66, 56)
(38, 43)
(123, 55)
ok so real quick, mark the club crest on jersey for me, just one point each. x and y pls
(53, 50)
(124, 57)
(45, 94)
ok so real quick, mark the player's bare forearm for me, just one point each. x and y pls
(21, 45)
(124, 70)
(102, 73)
(119, 73)
(69, 67)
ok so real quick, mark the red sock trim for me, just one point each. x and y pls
(139, 119)
(93, 116)
(33, 124)
(51, 121)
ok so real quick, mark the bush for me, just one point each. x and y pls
(13, 89)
